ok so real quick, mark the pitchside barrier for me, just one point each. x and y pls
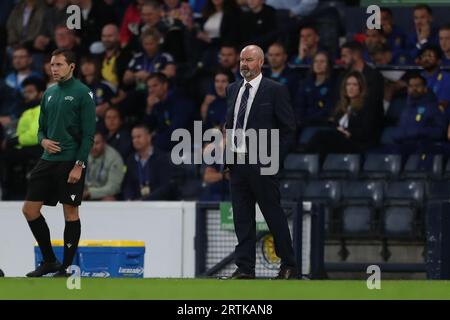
(215, 240)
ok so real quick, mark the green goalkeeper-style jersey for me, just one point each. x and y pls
(68, 117)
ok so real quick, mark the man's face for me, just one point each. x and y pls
(110, 37)
(386, 22)
(98, 148)
(220, 84)
(422, 18)
(64, 38)
(416, 88)
(254, 4)
(309, 38)
(373, 38)
(30, 93)
(150, 45)
(347, 57)
(428, 60)
(276, 56)
(157, 88)
(87, 69)
(21, 60)
(60, 68)
(382, 58)
(251, 63)
(141, 139)
(150, 16)
(228, 57)
(444, 40)
(112, 120)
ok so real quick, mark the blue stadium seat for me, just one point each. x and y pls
(339, 166)
(301, 166)
(360, 201)
(446, 173)
(381, 166)
(402, 207)
(438, 190)
(327, 192)
(291, 190)
(423, 167)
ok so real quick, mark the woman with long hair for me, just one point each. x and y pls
(355, 119)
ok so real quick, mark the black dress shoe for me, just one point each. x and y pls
(287, 273)
(45, 268)
(238, 275)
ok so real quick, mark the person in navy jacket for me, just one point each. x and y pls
(150, 173)
(166, 111)
(424, 32)
(421, 122)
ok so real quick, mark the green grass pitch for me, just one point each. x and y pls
(211, 289)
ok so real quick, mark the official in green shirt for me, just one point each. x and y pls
(66, 132)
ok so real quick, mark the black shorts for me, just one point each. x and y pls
(48, 183)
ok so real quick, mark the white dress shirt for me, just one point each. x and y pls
(251, 96)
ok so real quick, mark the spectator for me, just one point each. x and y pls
(421, 122)
(315, 99)
(214, 107)
(216, 182)
(424, 33)
(22, 146)
(25, 22)
(114, 60)
(9, 107)
(229, 59)
(395, 36)
(166, 111)
(22, 62)
(308, 45)
(355, 120)
(103, 91)
(444, 42)
(179, 10)
(117, 136)
(104, 172)
(54, 15)
(373, 39)
(382, 55)
(130, 21)
(94, 15)
(150, 172)
(66, 39)
(278, 70)
(149, 61)
(258, 25)
(352, 58)
(438, 81)
(220, 22)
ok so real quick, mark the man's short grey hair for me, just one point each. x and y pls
(258, 50)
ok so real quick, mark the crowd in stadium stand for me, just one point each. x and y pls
(155, 66)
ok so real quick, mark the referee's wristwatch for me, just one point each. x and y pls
(80, 163)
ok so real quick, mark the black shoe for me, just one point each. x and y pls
(45, 268)
(238, 275)
(62, 273)
(1, 273)
(287, 273)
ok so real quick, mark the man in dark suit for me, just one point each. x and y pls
(258, 103)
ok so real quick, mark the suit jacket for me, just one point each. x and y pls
(271, 109)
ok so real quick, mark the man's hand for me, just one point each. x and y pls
(100, 110)
(41, 42)
(50, 146)
(75, 174)
(151, 101)
(141, 76)
(424, 33)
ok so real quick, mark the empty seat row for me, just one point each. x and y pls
(371, 166)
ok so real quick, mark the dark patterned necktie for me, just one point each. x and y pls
(242, 110)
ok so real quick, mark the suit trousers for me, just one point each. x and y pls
(249, 187)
